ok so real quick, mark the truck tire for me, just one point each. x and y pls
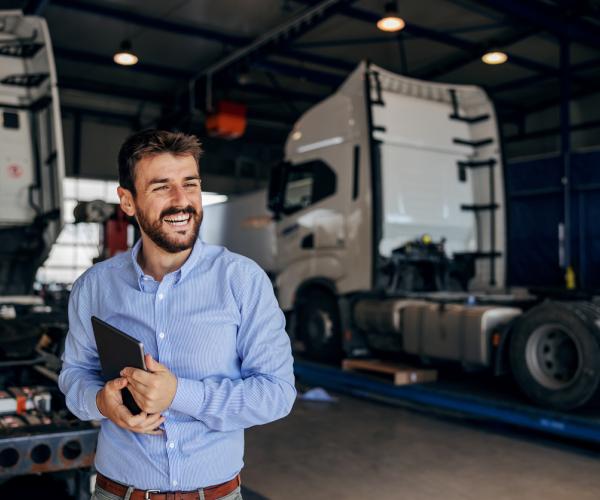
(555, 354)
(319, 326)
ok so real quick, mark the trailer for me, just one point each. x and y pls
(244, 223)
(390, 219)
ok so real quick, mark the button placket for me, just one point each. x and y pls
(160, 315)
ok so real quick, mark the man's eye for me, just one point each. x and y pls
(160, 188)
(190, 184)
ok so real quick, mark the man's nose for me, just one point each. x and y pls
(179, 197)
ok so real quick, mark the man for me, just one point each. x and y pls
(217, 354)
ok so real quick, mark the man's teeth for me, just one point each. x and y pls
(181, 220)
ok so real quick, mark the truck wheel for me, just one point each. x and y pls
(319, 326)
(555, 354)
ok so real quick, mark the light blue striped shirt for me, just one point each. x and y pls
(215, 323)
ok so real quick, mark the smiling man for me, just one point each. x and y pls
(217, 356)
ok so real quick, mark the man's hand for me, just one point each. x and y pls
(110, 404)
(153, 390)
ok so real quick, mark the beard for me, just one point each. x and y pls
(156, 231)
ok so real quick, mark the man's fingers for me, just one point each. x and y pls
(155, 432)
(135, 422)
(138, 396)
(153, 365)
(154, 428)
(135, 375)
(155, 419)
(138, 420)
(116, 384)
(123, 413)
(150, 424)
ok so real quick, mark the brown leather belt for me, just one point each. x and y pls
(210, 492)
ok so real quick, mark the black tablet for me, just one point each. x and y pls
(118, 350)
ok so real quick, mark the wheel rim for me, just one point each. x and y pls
(553, 356)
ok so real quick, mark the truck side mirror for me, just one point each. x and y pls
(277, 181)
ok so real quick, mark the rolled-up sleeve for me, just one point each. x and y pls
(265, 392)
(80, 378)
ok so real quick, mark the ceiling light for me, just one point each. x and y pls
(391, 21)
(125, 57)
(494, 57)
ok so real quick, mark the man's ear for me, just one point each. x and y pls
(126, 201)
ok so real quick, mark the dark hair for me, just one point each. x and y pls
(153, 142)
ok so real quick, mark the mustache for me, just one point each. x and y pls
(174, 211)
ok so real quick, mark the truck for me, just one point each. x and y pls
(389, 221)
(44, 449)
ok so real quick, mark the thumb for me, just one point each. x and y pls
(118, 383)
(153, 365)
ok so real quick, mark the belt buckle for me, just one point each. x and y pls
(147, 494)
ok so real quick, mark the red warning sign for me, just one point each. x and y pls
(15, 171)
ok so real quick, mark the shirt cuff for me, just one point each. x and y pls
(189, 396)
(89, 398)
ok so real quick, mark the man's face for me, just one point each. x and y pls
(168, 203)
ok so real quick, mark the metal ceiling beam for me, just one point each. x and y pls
(173, 73)
(96, 113)
(447, 39)
(331, 62)
(107, 61)
(443, 38)
(550, 19)
(151, 22)
(168, 72)
(536, 79)
(185, 29)
(342, 42)
(280, 35)
(318, 77)
(519, 83)
(536, 134)
(555, 101)
(96, 87)
(462, 60)
(274, 39)
(256, 88)
(390, 38)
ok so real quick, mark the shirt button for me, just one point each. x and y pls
(161, 335)
(160, 296)
(166, 414)
(174, 483)
(171, 444)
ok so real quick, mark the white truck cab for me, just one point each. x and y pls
(380, 163)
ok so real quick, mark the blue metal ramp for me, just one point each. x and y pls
(439, 398)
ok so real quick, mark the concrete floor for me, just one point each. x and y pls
(356, 449)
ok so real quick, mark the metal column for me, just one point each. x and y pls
(565, 152)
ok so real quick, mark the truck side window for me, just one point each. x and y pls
(308, 183)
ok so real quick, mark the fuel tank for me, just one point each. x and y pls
(455, 332)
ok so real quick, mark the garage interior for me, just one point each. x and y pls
(385, 408)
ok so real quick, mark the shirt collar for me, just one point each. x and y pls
(180, 273)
